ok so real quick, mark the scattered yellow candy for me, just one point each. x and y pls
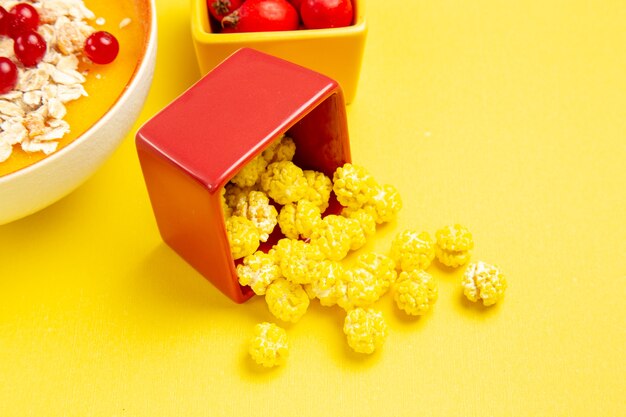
(308, 217)
(282, 248)
(258, 271)
(411, 250)
(328, 278)
(299, 263)
(365, 217)
(249, 175)
(353, 229)
(225, 208)
(299, 219)
(269, 346)
(415, 292)
(234, 195)
(382, 266)
(284, 182)
(243, 236)
(364, 285)
(365, 330)
(353, 185)
(282, 149)
(295, 271)
(287, 221)
(485, 282)
(385, 203)
(319, 189)
(330, 236)
(454, 244)
(286, 300)
(257, 208)
(360, 288)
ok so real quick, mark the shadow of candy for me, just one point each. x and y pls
(408, 322)
(448, 271)
(253, 372)
(475, 310)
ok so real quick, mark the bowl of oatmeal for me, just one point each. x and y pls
(68, 109)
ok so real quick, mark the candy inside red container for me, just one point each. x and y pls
(193, 147)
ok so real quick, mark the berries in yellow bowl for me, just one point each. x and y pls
(335, 52)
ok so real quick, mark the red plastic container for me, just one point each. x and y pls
(193, 147)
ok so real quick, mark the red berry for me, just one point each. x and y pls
(5, 19)
(221, 8)
(321, 14)
(23, 17)
(8, 75)
(262, 16)
(101, 47)
(29, 48)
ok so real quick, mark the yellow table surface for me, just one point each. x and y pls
(509, 117)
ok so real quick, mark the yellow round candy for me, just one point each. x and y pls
(268, 347)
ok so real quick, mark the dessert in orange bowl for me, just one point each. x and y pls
(66, 115)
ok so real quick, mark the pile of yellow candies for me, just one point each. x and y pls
(271, 191)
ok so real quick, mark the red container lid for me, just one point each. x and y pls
(215, 127)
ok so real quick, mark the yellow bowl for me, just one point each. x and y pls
(336, 53)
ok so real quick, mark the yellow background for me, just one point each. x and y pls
(509, 117)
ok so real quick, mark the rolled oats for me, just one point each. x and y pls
(125, 22)
(35, 123)
(33, 98)
(56, 109)
(70, 40)
(11, 109)
(32, 114)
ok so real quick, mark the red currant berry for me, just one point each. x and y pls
(321, 14)
(101, 47)
(8, 75)
(5, 20)
(23, 17)
(29, 48)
